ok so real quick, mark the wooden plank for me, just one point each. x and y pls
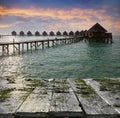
(38, 101)
(10, 105)
(110, 98)
(14, 95)
(65, 102)
(92, 104)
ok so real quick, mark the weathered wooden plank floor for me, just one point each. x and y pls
(72, 98)
(112, 99)
(91, 102)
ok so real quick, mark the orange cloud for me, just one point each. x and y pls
(73, 19)
(117, 25)
(54, 13)
(10, 25)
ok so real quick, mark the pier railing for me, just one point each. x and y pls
(22, 46)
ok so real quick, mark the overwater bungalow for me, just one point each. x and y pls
(71, 33)
(29, 33)
(98, 33)
(37, 33)
(77, 33)
(65, 33)
(14, 33)
(51, 33)
(85, 33)
(44, 33)
(81, 33)
(22, 33)
(58, 33)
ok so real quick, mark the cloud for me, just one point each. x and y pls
(35, 18)
(10, 25)
(54, 13)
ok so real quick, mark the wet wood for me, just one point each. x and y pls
(93, 104)
(110, 98)
(58, 98)
(38, 101)
(63, 99)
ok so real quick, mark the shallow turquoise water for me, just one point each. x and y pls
(78, 60)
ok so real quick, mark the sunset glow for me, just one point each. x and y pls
(16, 17)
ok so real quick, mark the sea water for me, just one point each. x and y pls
(77, 60)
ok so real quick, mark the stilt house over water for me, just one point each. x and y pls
(98, 33)
(13, 33)
(22, 33)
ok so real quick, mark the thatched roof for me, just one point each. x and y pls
(51, 33)
(97, 28)
(71, 33)
(58, 33)
(65, 33)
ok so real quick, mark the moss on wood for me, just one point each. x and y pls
(36, 83)
(109, 85)
(83, 89)
(5, 94)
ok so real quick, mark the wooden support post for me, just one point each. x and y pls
(3, 50)
(27, 46)
(8, 49)
(13, 47)
(35, 45)
(19, 48)
(22, 47)
(42, 44)
(48, 44)
(65, 41)
(31, 46)
(52, 43)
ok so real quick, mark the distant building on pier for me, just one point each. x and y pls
(29, 33)
(22, 33)
(65, 33)
(71, 33)
(58, 33)
(44, 33)
(37, 33)
(51, 33)
(98, 33)
(77, 33)
(13, 33)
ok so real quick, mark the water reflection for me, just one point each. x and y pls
(81, 60)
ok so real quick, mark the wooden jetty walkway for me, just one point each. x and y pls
(21, 46)
(60, 98)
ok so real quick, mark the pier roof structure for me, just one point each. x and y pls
(97, 28)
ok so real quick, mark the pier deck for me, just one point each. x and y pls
(53, 98)
(22, 46)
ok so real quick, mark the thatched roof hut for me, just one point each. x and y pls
(29, 33)
(58, 33)
(51, 33)
(77, 33)
(44, 33)
(81, 33)
(98, 33)
(14, 33)
(37, 33)
(22, 33)
(71, 33)
(65, 33)
(97, 28)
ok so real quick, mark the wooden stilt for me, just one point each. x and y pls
(19, 46)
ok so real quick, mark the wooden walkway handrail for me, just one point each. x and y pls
(21, 46)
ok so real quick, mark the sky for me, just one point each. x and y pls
(58, 15)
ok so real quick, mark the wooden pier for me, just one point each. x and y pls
(22, 46)
(60, 98)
